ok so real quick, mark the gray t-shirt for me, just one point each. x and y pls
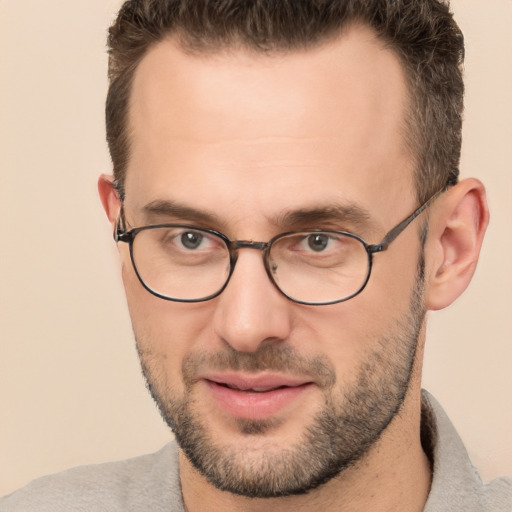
(150, 483)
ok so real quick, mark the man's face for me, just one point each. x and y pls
(268, 397)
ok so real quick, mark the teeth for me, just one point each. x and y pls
(255, 390)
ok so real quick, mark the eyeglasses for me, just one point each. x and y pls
(184, 263)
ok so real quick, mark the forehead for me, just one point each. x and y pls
(268, 128)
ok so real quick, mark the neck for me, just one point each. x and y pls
(394, 476)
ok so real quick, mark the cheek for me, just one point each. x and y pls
(165, 331)
(395, 270)
(349, 332)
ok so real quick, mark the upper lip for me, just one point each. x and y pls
(255, 382)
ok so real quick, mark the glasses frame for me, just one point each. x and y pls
(233, 246)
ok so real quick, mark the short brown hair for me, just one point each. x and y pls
(421, 32)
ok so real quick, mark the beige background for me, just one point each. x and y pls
(70, 389)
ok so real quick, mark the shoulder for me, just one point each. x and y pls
(148, 482)
(456, 484)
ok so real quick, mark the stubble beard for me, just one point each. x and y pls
(350, 421)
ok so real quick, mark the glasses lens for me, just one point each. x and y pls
(319, 267)
(179, 262)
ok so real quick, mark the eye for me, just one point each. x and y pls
(191, 239)
(318, 242)
(315, 244)
(184, 240)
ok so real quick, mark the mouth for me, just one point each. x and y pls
(255, 398)
(252, 389)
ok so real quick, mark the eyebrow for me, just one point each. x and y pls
(346, 217)
(335, 216)
(165, 208)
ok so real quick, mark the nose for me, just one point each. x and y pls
(251, 311)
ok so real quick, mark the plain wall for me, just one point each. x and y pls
(70, 386)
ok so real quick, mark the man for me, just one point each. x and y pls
(286, 205)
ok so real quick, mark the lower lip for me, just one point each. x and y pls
(251, 405)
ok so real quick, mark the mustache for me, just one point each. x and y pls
(268, 357)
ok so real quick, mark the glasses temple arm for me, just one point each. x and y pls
(391, 235)
(119, 229)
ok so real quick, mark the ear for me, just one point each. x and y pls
(109, 198)
(456, 230)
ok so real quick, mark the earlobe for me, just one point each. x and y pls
(456, 232)
(109, 197)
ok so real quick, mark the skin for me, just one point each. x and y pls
(245, 139)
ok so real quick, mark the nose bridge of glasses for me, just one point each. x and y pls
(248, 244)
(234, 245)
